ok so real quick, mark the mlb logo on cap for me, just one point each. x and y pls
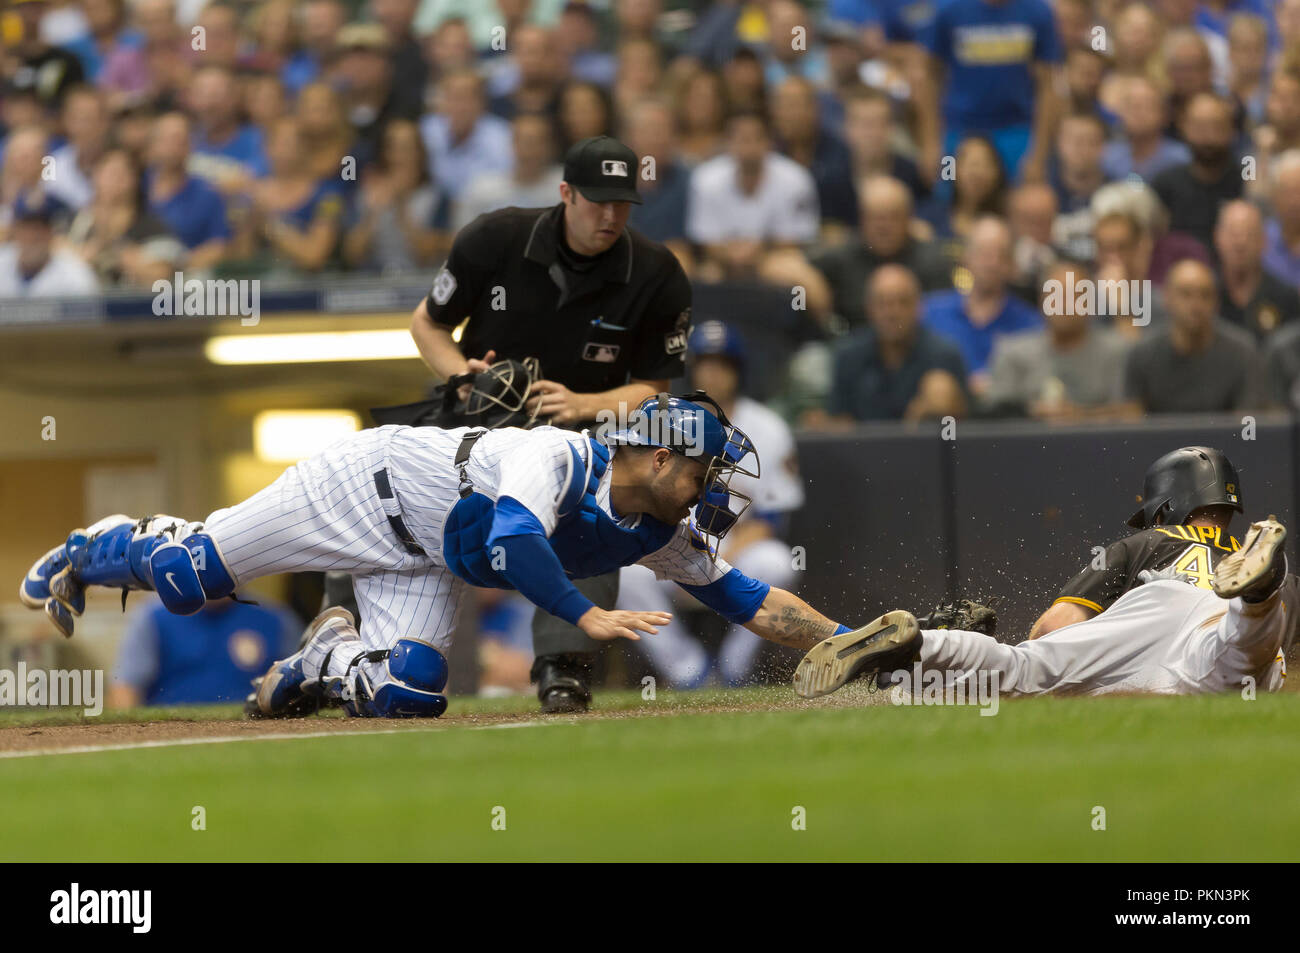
(590, 165)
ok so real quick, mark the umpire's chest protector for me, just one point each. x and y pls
(587, 540)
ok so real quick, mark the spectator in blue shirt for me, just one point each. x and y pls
(205, 658)
(904, 21)
(997, 59)
(105, 21)
(193, 210)
(973, 318)
(319, 23)
(462, 138)
(901, 24)
(1144, 150)
(578, 34)
(1216, 16)
(227, 152)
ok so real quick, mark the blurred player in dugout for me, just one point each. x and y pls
(754, 545)
(603, 309)
(167, 659)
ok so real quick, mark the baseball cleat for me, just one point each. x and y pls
(1255, 571)
(68, 592)
(892, 641)
(287, 690)
(35, 588)
(60, 616)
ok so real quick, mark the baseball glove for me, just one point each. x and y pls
(498, 397)
(961, 614)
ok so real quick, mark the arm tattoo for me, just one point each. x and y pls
(799, 627)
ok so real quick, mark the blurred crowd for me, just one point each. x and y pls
(1064, 209)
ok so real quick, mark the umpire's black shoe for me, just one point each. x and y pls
(893, 641)
(563, 682)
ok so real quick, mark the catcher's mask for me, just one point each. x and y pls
(696, 427)
(498, 396)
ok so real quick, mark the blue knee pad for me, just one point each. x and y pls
(189, 573)
(419, 673)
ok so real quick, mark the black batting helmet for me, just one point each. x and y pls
(1184, 480)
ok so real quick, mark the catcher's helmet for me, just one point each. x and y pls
(1184, 480)
(696, 427)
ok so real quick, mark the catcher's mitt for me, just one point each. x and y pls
(961, 614)
(498, 397)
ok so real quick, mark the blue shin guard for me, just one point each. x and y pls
(35, 588)
(176, 559)
(418, 674)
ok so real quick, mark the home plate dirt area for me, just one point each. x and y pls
(52, 730)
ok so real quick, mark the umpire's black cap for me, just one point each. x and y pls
(602, 169)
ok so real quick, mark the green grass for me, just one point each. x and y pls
(1199, 778)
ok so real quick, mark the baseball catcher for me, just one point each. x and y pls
(414, 514)
(1179, 608)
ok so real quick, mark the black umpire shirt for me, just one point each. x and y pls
(592, 322)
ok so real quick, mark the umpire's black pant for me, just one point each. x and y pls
(553, 636)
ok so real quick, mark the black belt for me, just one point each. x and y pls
(385, 489)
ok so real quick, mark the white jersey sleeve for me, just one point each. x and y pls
(685, 559)
(536, 472)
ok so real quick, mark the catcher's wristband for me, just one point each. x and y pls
(842, 629)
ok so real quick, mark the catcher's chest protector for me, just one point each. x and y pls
(587, 540)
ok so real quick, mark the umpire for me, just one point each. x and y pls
(604, 310)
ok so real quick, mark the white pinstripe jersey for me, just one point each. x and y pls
(531, 466)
